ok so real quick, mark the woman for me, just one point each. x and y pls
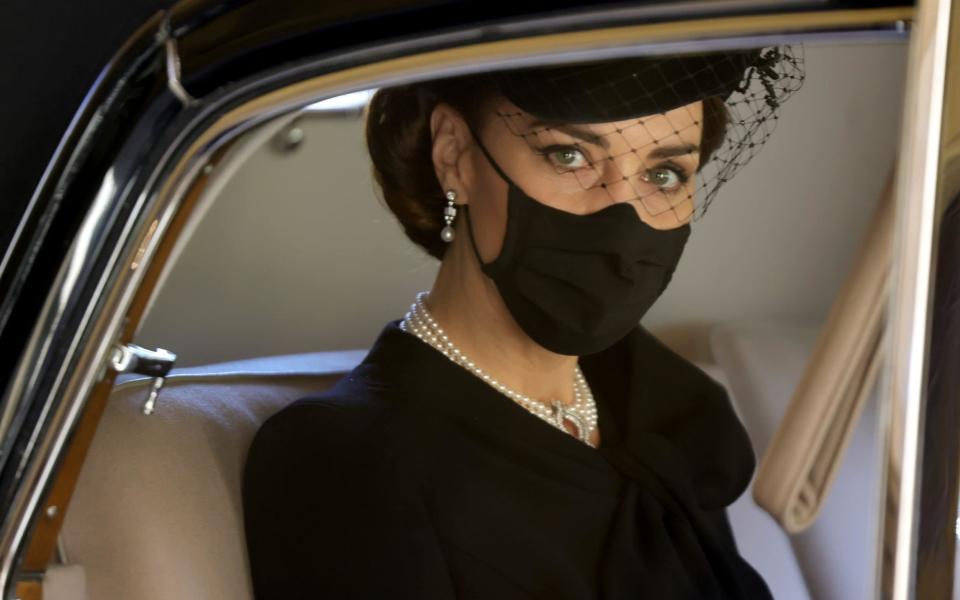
(518, 434)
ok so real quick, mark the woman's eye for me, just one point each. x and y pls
(666, 178)
(567, 158)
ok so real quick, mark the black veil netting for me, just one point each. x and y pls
(664, 130)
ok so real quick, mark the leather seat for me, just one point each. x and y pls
(157, 512)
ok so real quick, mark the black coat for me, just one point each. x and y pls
(412, 478)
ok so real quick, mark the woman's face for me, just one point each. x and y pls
(648, 162)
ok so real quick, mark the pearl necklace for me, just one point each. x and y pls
(582, 415)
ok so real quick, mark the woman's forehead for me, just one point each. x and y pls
(679, 125)
(660, 124)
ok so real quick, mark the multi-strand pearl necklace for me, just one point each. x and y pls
(582, 415)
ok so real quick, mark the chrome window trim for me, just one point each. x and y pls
(919, 213)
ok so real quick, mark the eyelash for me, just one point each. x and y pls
(682, 174)
(546, 151)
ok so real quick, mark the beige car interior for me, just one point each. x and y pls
(183, 516)
(802, 460)
(156, 512)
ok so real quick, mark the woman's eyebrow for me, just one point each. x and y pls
(669, 151)
(574, 131)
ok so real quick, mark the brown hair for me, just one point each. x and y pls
(400, 145)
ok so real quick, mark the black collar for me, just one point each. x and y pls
(662, 420)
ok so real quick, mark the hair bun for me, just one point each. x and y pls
(401, 151)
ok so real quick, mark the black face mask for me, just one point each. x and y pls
(576, 284)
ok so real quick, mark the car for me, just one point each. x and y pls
(141, 360)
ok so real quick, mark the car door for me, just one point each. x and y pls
(89, 249)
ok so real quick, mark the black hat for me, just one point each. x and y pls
(625, 88)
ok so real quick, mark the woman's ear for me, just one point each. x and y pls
(451, 137)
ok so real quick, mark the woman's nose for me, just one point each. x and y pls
(624, 178)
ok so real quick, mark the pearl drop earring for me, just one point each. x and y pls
(449, 213)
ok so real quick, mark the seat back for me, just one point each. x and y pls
(157, 510)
